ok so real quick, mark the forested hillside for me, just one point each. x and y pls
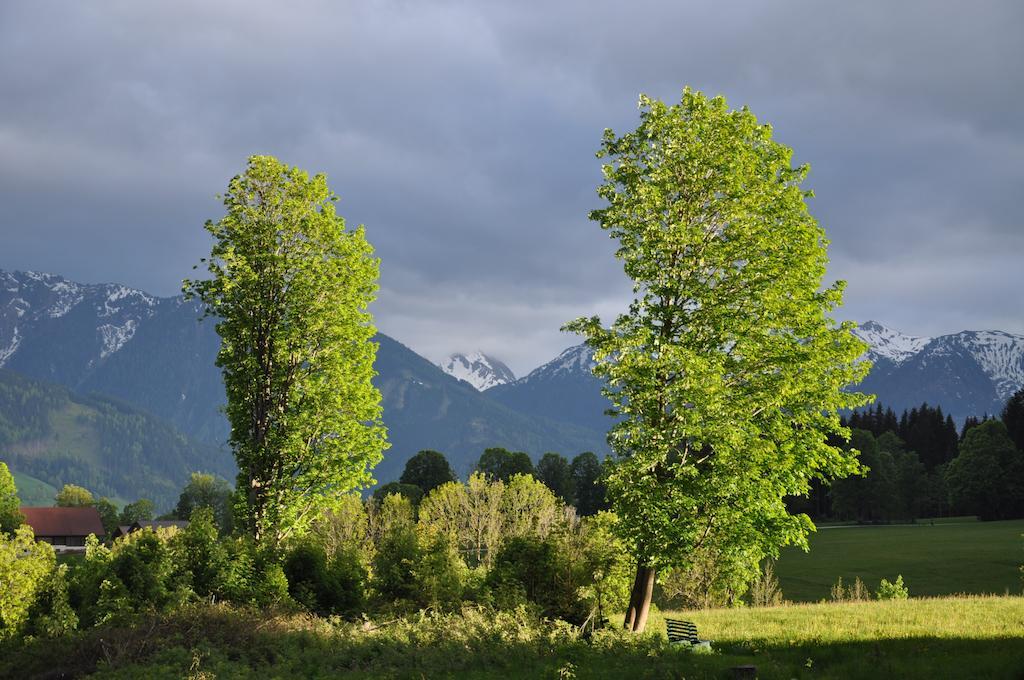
(115, 450)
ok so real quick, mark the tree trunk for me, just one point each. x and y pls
(640, 599)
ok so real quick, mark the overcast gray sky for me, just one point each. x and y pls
(463, 135)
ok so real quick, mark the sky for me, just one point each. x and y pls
(463, 134)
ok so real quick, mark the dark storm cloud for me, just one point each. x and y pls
(462, 134)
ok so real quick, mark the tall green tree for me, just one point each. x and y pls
(987, 478)
(554, 470)
(1013, 418)
(73, 496)
(428, 470)
(206, 491)
(290, 287)
(590, 492)
(726, 372)
(500, 464)
(140, 511)
(10, 513)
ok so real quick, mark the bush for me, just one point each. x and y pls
(51, 614)
(141, 576)
(25, 567)
(532, 570)
(858, 592)
(393, 566)
(201, 555)
(439, 574)
(765, 590)
(322, 585)
(892, 591)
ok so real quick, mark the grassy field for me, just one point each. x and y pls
(978, 637)
(946, 558)
(32, 491)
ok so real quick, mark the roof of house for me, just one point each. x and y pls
(64, 521)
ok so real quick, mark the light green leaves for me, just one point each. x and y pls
(726, 370)
(290, 287)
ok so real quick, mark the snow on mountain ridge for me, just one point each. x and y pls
(478, 369)
(888, 343)
(28, 298)
(1000, 355)
(575, 359)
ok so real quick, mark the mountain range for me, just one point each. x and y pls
(154, 355)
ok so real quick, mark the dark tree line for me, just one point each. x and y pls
(577, 482)
(919, 465)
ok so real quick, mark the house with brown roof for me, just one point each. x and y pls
(64, 528)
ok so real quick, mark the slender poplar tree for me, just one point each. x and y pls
(290, 287)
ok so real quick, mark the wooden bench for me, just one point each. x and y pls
(684, 632)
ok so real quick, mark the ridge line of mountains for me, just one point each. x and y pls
(115, 349)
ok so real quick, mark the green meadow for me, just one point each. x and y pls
(961, 637)
(954, 556)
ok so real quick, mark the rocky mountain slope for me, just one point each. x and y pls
(478, 369)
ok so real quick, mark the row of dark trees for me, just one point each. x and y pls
(920, 465)
(577, 482)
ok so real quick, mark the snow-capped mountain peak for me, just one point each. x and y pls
(104, 316)
(478, 369)
(889, 344)
(578, 359)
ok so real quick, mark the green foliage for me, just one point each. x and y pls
(605, 565)
(206, 491)
(409, 491)
(56, 436)
(25, 567)
(200, 554)
(765, 590)
(726, 373)
(716, 574)
(526, 569)
(322, 585)
(588, 483)
(987, 478)
(892, 591)
(428, 470)
(1013, 418)
(10, 513)
(72, 496)
(139, 511)
(394, 564)
(498, 464)
(141, 576)
(553, 469)
(51, 614)
(291, 286)
(108, 515)
(440, 574)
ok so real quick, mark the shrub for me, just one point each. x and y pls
(857, 592)
(141, 576)
(765, 590)
(534, 570)
(892, 591)
(25, 567)
(322, 585)
(51, 614)
(439, 574)
(201, 555)
(393, 565)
